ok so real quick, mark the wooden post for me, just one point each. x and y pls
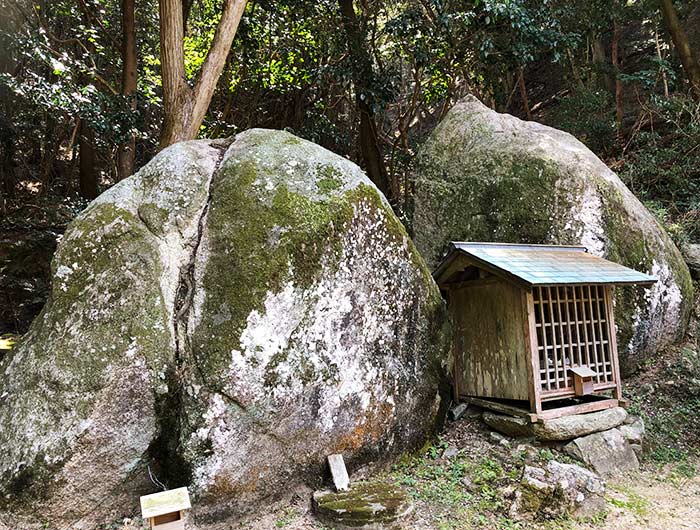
(533, 366)
(456, 348)
(612, 341)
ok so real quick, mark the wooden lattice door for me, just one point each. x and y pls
(573, 329)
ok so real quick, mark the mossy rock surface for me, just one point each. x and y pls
(227, 317)
(365, 505)
(484, 176)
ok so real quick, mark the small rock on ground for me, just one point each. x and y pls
(458, 411)
(508, 425)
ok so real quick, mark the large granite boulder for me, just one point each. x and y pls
(484, 176)
(224, 319)
(691, 255)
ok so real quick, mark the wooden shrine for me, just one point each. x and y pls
(534, 327)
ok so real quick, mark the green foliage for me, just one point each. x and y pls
(589, 115)
(664, 164)
(460, 490)
(669, 404)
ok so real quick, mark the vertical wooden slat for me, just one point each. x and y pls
(545, 356)
(593, 335)
(576, 326)
(562, 342)
(533, 366)
(555, 355)
(612, 341)
(604, 355)
(586, 345)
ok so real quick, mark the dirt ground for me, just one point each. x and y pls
(655, 498)
(654, 501)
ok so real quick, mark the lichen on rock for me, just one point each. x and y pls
(485, 176)
(315, 318)
(77, 397)
(223, 320)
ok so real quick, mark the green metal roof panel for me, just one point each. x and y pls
(547, 264)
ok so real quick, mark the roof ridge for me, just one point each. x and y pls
(520, 245)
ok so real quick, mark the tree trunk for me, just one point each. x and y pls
(87, 169)
(664, 78)
(523, 93)
(127, 151)
(601, 63)
(185, 106)
(619, 104)
(362, 76)
(680, 40)
(7, 155)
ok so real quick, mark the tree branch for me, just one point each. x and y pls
(216, 58)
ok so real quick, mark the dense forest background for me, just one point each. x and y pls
(86, 97)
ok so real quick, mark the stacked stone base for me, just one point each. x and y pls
(608, 441)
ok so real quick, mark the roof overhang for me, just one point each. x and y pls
(541, 265)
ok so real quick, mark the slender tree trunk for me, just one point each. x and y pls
(362, 76)
(664, 79)
(523, 93)
(7, 164)
(177, 96)
(601, 63)
(619, 103)
(574, 69)
(185, 106)
(87, 169)
(127, 151)
(680, 40)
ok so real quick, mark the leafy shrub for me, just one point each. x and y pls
(589, 115)
(663, 164)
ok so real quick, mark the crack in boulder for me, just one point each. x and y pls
(165, 448)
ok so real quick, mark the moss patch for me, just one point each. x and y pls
(497, 197)
(263, 238)
(363, 504)
(331, 179)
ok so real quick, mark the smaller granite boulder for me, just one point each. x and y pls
(559, 490)
(691, 256)
(576, 425)
(368, 505)
(607, 452)
(633, 431)
(509, 425)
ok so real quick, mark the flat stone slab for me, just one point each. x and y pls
(339, 472)
(607, 452)
(509, 425)
(577, 425)
(368, 505)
